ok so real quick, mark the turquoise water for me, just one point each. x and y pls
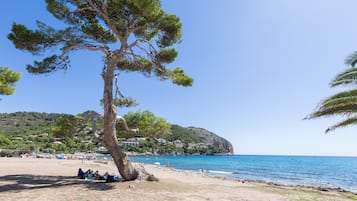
(325, 172)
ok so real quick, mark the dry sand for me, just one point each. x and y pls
(51, 179)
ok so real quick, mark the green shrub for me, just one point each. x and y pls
(4, 141)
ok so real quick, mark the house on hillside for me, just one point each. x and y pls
(197, 146)
(178, 143)
(160, 141)
(102, 149)
(134, 142)
(44, 135)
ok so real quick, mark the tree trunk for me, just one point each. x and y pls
(121, 160)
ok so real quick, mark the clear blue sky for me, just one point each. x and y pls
(259, 67)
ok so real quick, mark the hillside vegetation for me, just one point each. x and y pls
(25, 132)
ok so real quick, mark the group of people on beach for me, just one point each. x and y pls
(90, 174)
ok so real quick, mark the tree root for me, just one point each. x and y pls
(144, 175)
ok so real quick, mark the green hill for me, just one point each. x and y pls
(21, 124)
(34, 132)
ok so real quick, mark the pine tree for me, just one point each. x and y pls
(8, 78)
(133, 35)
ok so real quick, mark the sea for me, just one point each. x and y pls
(314, 171)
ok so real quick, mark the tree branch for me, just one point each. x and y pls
(98, 133)
(105, 16)
(135, 130)
(133, 44)
(132, 29)
(151, 46)
(83, 9)
(150, 55)
(103, 49)
(138, 28)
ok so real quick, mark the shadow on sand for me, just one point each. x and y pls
(30, 182)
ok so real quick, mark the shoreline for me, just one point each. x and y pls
(93, 157)
(41, 179)
(321, 185)
(322, 189)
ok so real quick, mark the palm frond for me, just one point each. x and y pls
(348, 76)
(342, 98)
(352, 59)
(343, 103)
(345, 109)
(347, 122)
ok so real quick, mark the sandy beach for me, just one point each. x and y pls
(52, 179)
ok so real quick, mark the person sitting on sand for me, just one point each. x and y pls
(96, 175)
(87, 172)
(81, 174)
(105, 175)
(108, 178)
(90, 175)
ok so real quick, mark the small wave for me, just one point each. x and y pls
(219, 172)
